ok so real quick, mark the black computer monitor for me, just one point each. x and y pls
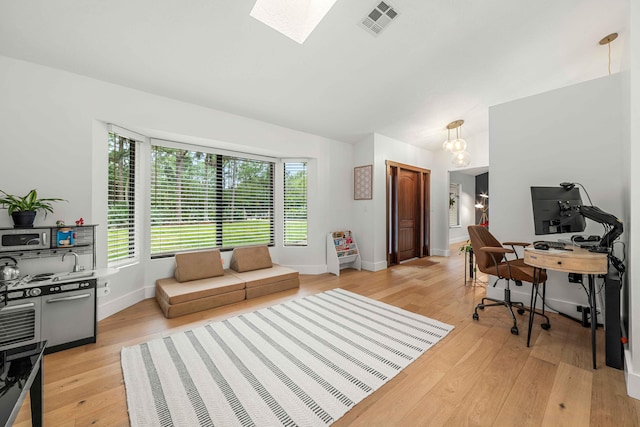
(556, 210)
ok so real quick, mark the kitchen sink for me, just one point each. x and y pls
(72, 275)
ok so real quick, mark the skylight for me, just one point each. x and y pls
(295, 19)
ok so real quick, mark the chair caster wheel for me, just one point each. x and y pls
(475, 316)
(520, 311)
(518, 282)
(546, 326)
(481, 306)
(514, 330)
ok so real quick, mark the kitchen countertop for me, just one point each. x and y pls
(104, 272)
(85, 274)
(57, 278)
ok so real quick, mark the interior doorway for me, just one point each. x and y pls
(407, 212)
(468, 202)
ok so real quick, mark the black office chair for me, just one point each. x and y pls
(491, 259)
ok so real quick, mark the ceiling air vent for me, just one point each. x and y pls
(379, 18)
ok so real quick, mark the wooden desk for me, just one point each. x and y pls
(579, 261)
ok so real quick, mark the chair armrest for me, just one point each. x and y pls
(497, 254)
(523, 244)
(496, 250)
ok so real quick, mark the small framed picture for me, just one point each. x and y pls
(362, 182)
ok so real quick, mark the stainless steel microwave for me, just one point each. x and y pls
(17, 239)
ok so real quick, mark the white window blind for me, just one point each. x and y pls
(121, 226)
(204, 200)
(295, 203)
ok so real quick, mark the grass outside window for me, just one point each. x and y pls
(202, 236)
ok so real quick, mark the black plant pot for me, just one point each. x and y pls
(23, 219)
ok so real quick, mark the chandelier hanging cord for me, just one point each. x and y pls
(607, 40)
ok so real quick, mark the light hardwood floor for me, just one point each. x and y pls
(479, 375)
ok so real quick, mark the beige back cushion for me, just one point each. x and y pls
(250, 258)
(198, 265)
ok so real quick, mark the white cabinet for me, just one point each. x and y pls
(342, 251)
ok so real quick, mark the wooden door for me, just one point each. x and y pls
(408, 214)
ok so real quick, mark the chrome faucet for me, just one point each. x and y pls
(76, 267)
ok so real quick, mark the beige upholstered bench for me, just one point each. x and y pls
(199, 283)
(253, 265)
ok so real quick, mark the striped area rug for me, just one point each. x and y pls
(305, 362)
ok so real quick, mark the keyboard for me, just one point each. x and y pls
(550, 244)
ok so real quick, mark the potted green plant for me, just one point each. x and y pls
(464, 250)
(466, 247)
(23, 210)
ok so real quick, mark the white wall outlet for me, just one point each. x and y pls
(103, 291)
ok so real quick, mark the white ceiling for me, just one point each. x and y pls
(439, 61)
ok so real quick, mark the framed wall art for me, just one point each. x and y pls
(362, 182)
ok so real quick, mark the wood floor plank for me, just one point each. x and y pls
(569, 403)
(610, 404)
(529, 394)
(485, 398)
(439, 404)
(549, 344)
(479, 375)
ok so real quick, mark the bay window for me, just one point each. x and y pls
(295, 203)
(121, 216)
(204, 199)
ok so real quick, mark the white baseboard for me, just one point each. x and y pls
(118, 304)
(631, 377)
(440, 252)
(374, 266)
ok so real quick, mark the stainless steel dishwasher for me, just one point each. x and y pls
(69, 314)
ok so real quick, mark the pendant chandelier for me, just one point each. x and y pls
(458, 147)
(461, 159)
(446, 146)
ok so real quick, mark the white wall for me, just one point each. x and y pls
(632, 154)
(466, 207)
(362, 218)
(390, 149)
(571, 134)
(54, 139)
(589, 133)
